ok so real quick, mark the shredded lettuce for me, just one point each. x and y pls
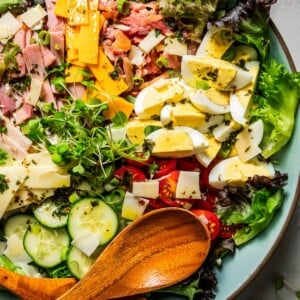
(276, 100)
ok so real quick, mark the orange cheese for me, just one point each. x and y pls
(78, 12)
(74, 74)
(88, 51)
(102, 73)
(115, 103)
(61, 8)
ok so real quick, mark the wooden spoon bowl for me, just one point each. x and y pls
(161, 248)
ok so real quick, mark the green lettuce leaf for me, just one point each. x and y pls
(276, 100)
(251, 206)
(264, 206)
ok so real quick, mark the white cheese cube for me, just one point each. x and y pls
(151, 40)
(147, 189)
(87, 243)
(188, 185)
(133, 207)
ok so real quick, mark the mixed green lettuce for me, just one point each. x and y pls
(276, 100)
(248, 20)
(252, 206)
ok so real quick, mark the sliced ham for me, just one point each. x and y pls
(57, 44)
(21, 67)
(48, 57)
(20, 38)
(53, 20)
(77, 90)
(34, 61)
(16, 134)
(24, 113)
(47, 93)
(7, 103)
(12, 147)
(28, 38)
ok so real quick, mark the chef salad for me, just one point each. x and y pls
(112, 108)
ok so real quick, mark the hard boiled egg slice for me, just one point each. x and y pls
(151, 99)
(182, 114)
(218, 73)
(166, 114)
(211, 121)
(203, 102)
(244, 53)
(215, 42)
(135, 129)
(240, 100)
(248, 140)
(223, 131)
(206, 157)
(236, 172)
(178, 142)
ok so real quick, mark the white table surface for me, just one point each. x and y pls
(286, 259)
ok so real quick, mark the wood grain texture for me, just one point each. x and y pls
(160, 249)
(31, 288)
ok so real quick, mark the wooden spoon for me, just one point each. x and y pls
(161, 248)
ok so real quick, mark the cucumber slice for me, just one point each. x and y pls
(91, 217)
(47, 247)
(51, 214)
(78, 262)
(18, 224)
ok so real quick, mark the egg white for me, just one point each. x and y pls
(202, 102)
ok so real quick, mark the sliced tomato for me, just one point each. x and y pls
(171, 202)
(164, 166)
(167, 185)
(127, 174)
(227, 231)
(189, 164)
(213, 223)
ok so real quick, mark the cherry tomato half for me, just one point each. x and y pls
(167, 186)
(127, 174)
(213, 222)
(165, 166)
(189, 164)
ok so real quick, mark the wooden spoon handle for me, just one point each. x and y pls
(31, 288)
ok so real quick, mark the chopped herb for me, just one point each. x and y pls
(115, 74)
(3, 157)
(3, 184)
(157, 32)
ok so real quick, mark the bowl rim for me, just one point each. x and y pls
(295, 197)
